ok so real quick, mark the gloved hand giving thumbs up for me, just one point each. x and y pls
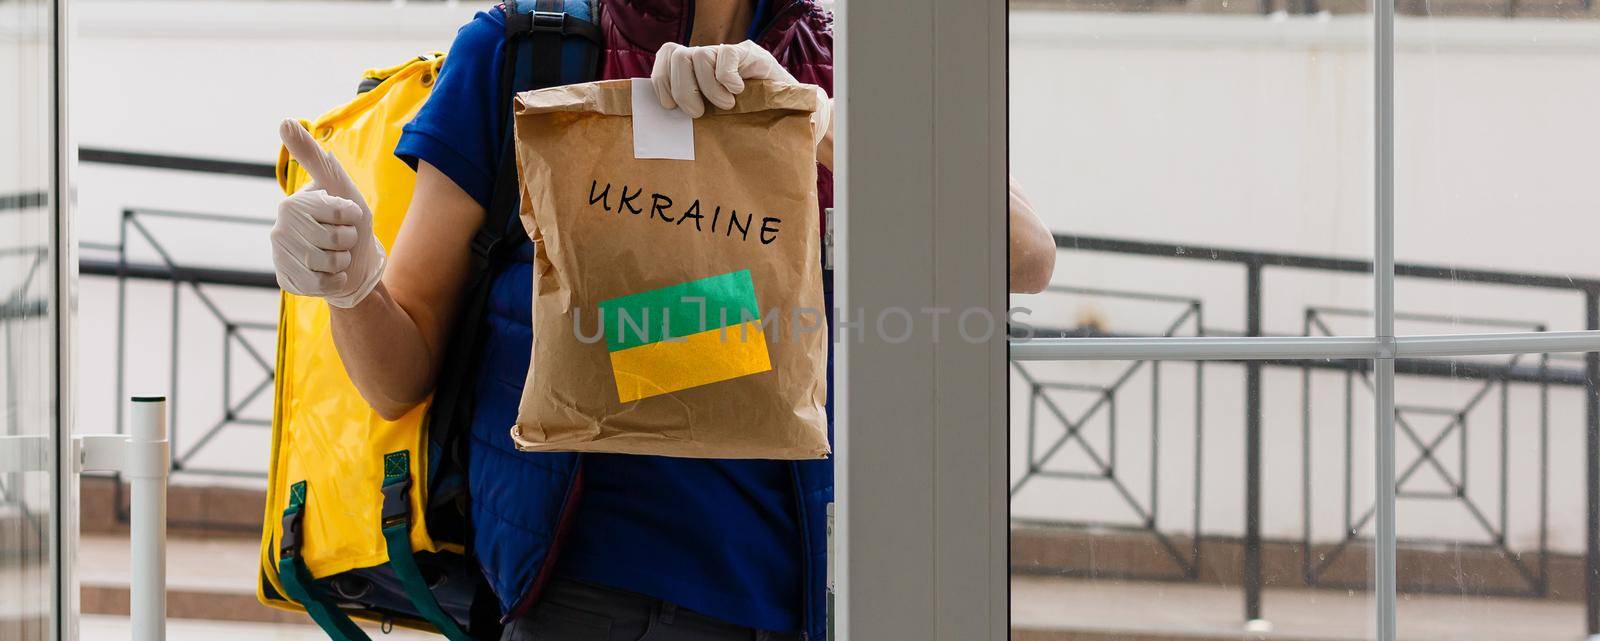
(322, 243)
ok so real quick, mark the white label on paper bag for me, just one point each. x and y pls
(658, 132)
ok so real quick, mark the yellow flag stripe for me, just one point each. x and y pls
(697, 359)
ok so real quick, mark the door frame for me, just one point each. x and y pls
(920, 227)
(63, 309)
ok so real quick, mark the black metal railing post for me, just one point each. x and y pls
(1252, 444)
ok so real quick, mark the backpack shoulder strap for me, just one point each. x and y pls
(548, 43)
(542, 37)
(537, 31)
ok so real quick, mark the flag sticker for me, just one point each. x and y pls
(686, 335)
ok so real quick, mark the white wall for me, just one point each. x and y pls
(1234, 131)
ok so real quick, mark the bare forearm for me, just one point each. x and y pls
(384, 353)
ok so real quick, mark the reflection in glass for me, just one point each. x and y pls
(26, 328)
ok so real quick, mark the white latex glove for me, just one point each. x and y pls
(688, 77)
(322, 243)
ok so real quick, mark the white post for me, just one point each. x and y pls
(146, 468)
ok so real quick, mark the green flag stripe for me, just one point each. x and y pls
(679, 310)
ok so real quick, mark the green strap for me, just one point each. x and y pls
(396, 526)
(297, 580)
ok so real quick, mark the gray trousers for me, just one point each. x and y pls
(574, 611)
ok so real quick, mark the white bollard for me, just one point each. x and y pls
(146, 466)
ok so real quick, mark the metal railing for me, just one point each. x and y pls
(188, 286)
(1189, 316)
(1535, 581)
(1494, 380)
(1182, 548)
(197, 282)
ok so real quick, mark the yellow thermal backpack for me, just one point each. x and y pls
(365, 517)
(334, 461)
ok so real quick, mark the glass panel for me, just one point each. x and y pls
(1151, 137)
(1491, 236)
(1492, 130)
(1119, 468)
(204, 204)
(27, 334)
(1490, 461)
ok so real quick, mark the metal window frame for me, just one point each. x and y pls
(1208, 348)
(64, 308)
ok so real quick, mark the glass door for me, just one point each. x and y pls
(30, 421)
(1320, 437)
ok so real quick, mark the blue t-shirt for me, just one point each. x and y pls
(719, 537)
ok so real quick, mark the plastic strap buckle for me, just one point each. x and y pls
(289, 543)
(484, 244)
(555, 21)
(396, 505)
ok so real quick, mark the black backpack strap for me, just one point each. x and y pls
(545, 29)
(535, 57)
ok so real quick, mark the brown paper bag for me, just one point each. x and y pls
(677, 303)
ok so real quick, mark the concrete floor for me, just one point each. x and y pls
(1115, 610)
(1041, 607)
(93, 627)
(213, 565)
(223, 565)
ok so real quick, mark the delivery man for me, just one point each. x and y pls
(615, 546)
